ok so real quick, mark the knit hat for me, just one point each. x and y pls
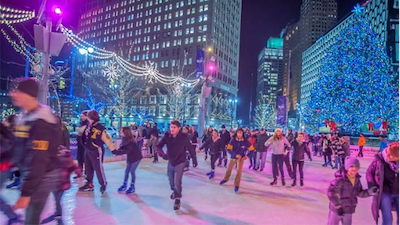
(223, 126)
(29, 86)
(350, 161)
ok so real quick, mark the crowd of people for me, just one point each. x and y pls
(35, 150)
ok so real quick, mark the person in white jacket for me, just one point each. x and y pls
(278, 142)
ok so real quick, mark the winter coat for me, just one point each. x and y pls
(326, 149)
(316, 140)
(65, 136)
(176, 148)
(346, 148)
(225, 137)
(342, 192)
(278, 145)
(361, 141)
(375, 176)
(299, 150)
(261, 139)
(216, 147)
(194, 137)
(67, 167)
(290, 137)
(206, 136)
(336, 147)
(239, 147)
(131, 149)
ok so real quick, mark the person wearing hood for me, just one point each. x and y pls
(343, 192)
(383, 173)
(35, 150)
(216, 148)
(299, 148)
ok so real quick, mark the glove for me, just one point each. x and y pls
(238, 156)
(340, 211)
(165, 157)
(194, 164)
(373, 190)
(244, 158)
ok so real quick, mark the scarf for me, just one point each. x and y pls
(394, 166)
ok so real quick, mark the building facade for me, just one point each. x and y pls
(316, 18)
(384, 22)
(269, 73)
(169, 33)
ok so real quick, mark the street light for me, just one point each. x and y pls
(90, 50)
(57, 10)
(82, 51)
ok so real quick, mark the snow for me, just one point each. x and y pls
(204, 201)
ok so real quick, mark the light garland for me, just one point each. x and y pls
(148, 70)
(12, 16)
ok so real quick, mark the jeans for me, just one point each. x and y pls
(301, 166)
(261, 158)
(360, 153)
(328, 160)
(130, 169)
(175, 174)
(386, 208)
(4, 207)
(58, 196)
(252, 157)
(239, 169)
(140, 144)
(214, 158)
(277, 160)
(335, 219)
(50, 182)
(223, 156)
(338, 162)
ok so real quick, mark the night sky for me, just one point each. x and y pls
(261, 19)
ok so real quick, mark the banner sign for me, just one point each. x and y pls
(199, 63)
(281, 110)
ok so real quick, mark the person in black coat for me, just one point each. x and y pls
(216, 148)
(177, 145)
(299, 148)
(225, 138)
(134, 155)
(80, 155)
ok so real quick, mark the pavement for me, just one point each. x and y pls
(204, 201)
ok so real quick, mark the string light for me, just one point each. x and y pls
(12, 16)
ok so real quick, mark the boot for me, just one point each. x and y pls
(58, 220)
(301, 182)
(48, 219)
(87, 187)
(274, 182)
(173, 196)
(261, 169)
(177, 204)
(131, 189)
(222, 182)
(294, 183)
(236, 189)
(205, 158)
(103, 189)
(122, 188)
(211, 175)
(283, 181)
(251, 165)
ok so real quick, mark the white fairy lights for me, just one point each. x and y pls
(12, 16)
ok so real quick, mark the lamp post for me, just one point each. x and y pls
(210, 68)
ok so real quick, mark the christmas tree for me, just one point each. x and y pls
(265, 113)
(354, 87)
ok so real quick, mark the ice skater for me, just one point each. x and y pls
(177, 145)
(299, 148)
(238, 148)
(216, 147)
(134, 156)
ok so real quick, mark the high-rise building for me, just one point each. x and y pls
(384, 21)
(169, 33)
(316, 18)
(270, 66)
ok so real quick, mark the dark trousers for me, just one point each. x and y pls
(49, 183)
(286, 159)
(58, 196)
(155, 156)
(214, 158)
(4, 207)
(175, 174)
(328, 160)
(253, 157)
(360, 153)
(94, 162)
(301, 165)
(277, 160)
(223, 156)
(130, 169)
(80, 156)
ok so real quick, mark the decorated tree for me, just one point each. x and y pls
(354, 86)
(265, 113)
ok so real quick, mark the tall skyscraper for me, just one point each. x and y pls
(269, 74)
(169, 33)
(316, 18)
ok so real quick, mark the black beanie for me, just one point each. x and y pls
(29, 86)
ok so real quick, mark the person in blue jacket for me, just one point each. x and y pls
(238, 148)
